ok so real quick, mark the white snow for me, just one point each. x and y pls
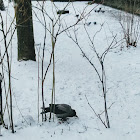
(75, 78)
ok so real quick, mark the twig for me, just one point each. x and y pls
(97, 115)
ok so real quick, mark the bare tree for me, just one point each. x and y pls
(6, 54)
(130, 24)
(100, 72)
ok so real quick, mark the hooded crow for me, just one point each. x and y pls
(62, 111)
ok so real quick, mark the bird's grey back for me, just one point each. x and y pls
(64, 107)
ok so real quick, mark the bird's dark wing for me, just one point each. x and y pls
(64, 107)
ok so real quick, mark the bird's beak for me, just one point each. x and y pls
(76, 116)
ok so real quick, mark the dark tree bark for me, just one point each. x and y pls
(25, 35)
(2, 8)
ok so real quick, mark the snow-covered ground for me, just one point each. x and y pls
(75, 78)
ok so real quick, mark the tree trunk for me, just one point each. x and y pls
(2, 8)
(25, 35)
